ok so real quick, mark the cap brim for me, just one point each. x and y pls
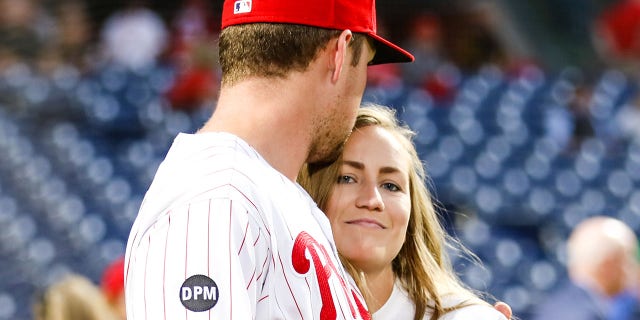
(387, 52)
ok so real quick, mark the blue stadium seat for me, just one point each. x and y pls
(630, 212)
(632, 162)
(436, 164)
(541, 201)
(516, 182)
(477, 277)
(587, 167)
(519, 297)
(489, 201)
(470, 130)
(451, 148)
(500, 147)
(488, 166)
(609, 93)
(464, 180)
(538, 167)
(567, 183)
(426, 132)
(619, 184)
(543, 275)
(593, 202)
(8, 306)
(41, 252)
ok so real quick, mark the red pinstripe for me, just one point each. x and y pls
(342, 309)
(308, 285)
(186, 252)
(230, 275)
(209, 246)
(289, 286)
(164, 271)
(146, 261)
(264, 224)
(186, 242)
(257, 238)
(246, 228)
(262, 270)
(209, 240)
(243, 195)
(251, 280)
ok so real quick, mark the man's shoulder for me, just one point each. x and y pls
(213, 158)
(567, 301)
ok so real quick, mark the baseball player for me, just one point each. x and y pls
(224, 232)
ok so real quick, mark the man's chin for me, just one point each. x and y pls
(323, 158)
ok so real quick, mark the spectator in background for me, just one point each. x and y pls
(431, 71)
(193, 24)
(193, 53)
(68, 45)
(568, 120)
(73, 34)
(626, 306)
(579, 107)
(472, 37)
(425, 41)
(196, 80)
(601, 265)
(112, 286)
(617, 35)
(21, 37)
(134, 37)
(73, 298)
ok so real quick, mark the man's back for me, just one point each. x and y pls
(221, 231)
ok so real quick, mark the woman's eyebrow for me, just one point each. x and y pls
(354, 164)
(360, 166)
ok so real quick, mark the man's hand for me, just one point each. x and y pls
(503, 308)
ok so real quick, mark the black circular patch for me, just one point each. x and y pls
(199, 293)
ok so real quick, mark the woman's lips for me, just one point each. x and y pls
(369, 223)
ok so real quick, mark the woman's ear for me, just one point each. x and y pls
(340, 53)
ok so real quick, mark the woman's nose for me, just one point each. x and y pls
(370, 198)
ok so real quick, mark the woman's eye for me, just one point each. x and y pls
(390, 186)
(345, 179)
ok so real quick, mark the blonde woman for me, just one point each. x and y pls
(385, 225)
(74, 297)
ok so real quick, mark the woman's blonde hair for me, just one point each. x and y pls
(422, 265)
(74, 297)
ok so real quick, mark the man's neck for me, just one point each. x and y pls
(269, 115)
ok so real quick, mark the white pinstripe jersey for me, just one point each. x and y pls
(223, 235)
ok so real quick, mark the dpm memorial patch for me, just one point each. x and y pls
(199, 293)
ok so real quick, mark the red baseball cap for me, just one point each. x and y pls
(355, 15)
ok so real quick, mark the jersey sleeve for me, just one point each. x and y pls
(202, 260)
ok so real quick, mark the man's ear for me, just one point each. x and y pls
(340, 53)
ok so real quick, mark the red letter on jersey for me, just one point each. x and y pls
(304, 242)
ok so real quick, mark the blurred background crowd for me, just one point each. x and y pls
(526, 111)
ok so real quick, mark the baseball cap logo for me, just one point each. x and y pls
(242, 6)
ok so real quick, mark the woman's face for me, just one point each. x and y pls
(370, 205)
